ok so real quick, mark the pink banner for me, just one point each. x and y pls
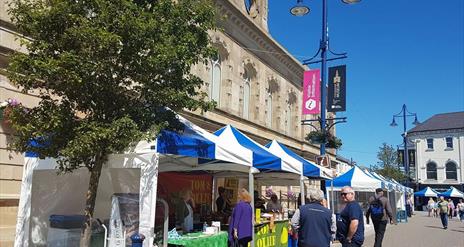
(311, 92)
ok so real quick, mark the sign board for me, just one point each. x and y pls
(311, 92)
(337, 89)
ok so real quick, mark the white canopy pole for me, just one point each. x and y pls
(302, 190)
(251, 188)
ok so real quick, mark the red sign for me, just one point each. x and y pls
(311, 92)
(171, 183)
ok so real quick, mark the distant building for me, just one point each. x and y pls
(343, 164)
(439, 145)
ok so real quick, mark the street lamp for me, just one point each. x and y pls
(404, 113)
(299, 10)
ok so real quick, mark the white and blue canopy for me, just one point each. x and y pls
(452, 192)
(262, 158)
(427, 192)
(196, 142)
(356, 178)
(385, 184)
(309, 169)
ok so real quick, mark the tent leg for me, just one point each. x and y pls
(302, 190)
(252, 189)
(147, 198)
(332, 200)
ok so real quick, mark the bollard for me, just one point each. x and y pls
(137, 240)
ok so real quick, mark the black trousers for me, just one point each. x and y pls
(350, 245)
(379, 227)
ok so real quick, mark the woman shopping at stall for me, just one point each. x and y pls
(241, 221)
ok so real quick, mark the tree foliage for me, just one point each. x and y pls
(388, 163)
(105, 72)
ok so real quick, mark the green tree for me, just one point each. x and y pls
(105, 72)
(388, 163)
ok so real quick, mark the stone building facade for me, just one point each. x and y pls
(255, 81)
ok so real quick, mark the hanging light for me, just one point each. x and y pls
(351, 1)
(393, 123)
(415, 121)
(299, 9)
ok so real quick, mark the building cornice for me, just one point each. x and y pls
(244, 31)
(434, 132)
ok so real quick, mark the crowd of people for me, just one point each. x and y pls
(445, 209)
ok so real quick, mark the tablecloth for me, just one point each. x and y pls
(199, 239)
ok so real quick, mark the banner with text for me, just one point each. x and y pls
(170, 185)
(337, 89)
(311, 92)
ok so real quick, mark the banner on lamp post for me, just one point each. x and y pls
(337, 89)
(311, 92)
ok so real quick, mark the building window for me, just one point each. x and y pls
(449, 142)
(269, 110)
(246, 94)
(429, 143)
(432, 171)
(451, 172)
(215, 80)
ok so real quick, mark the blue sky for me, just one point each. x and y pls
(399, 52)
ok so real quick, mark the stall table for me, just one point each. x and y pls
(199, 239)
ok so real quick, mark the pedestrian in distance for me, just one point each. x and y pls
(443, 208)
(431, 206)
(380, 211)
(435, 209)
(350, 225)
(241, 221)
(313, 222)
(450, 208)
(460, 209)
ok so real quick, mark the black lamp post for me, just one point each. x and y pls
(299, 10)
(404, 113)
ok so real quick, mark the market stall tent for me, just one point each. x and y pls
(310, 169)
(427, 192)
(44, 193)
(356, 178)
(262, 159)
(452, 192)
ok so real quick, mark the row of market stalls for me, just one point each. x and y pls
(364, 182)
(452, 192)
(139, 190)
(143, 186)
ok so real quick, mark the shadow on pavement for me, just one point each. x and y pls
(434, 227)
(457, 231)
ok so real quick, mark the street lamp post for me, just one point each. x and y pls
(300, 10)
(404, 113)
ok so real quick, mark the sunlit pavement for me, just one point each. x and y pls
(422, 231)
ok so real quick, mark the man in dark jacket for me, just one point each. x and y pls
(380, 211)
(313, 222)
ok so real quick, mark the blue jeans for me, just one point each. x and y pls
(444, 219)
(461, 215)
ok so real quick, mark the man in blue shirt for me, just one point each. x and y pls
(350, 226)
(313, 222)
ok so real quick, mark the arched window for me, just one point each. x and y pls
(431, 170)
(215, 80)
(451, 172)
(269, 110)
(246, 94)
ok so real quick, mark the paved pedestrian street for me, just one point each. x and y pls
(422, 231)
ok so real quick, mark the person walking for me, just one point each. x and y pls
(380, 211)
(241, 221)
(313, 222)
(350, 226)
(443, 208)
(430, 206)
(460, 209)
(450, 208)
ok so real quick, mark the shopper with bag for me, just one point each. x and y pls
(380, 211)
